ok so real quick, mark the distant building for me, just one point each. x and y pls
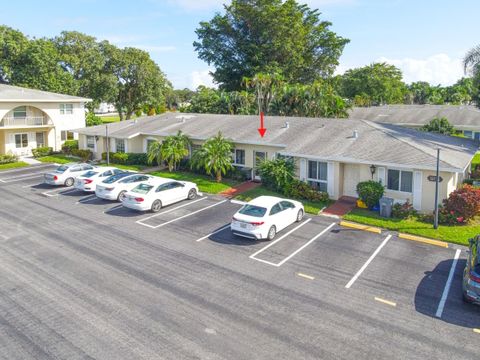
(32, 118)
(104, 108)
(465, 118)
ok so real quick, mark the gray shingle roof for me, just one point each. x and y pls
(9, 93)
(461, 116)
(328, 139)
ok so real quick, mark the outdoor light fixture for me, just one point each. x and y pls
(373, 169)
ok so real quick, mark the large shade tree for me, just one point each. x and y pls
(269, 36)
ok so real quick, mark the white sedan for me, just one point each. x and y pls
(88, 181)
(116, 186)
(265, 216)
(66, 174)
(158, 193)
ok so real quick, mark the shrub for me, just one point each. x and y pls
(463, 203)
(127, 158)
(370, 192)
(8, 159)
(403, 211)
(276, 174)
(42, 151)
(84, 154)
(69, 145)
(119, 158)
(301, 190)
(91, 119)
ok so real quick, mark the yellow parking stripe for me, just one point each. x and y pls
(305, 276)
(361, 227)
(391, 303)
(423, 240)
(476, 331)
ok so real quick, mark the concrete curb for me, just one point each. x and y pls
(361, 227)
(423, 240)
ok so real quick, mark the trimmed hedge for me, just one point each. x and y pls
(127, 158)
(8, 158)
(42, 151)
(84, 154)
(69, 145)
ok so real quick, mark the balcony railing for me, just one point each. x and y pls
(24, 121)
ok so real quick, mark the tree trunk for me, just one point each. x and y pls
(219, 176)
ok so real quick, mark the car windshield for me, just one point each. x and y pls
(61, 169)
(252, 210)
(114, 178)
(90, 173)
(142, 188)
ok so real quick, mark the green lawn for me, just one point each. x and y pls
(311, 207)
(453, 234)
(59, 159)
(476, 160)
(14, 165)
(110, 119)
(205, 183)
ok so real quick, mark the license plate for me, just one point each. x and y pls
(243, 226)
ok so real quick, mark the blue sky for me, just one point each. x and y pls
(425, 38)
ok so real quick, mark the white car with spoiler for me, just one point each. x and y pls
(265, 216)
(88, 181)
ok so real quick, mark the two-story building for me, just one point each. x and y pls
(32, 118)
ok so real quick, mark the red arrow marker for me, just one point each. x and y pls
(261, 129)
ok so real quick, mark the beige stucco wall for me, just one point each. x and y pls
(8, 138)
(2, 142)
(51, 110)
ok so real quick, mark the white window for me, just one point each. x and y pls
(21, 141)
(66, 109)
(66, 135)
(239, 157)
(40, 138)
(468, 134)
(120, 145)
(20, 112)
(317, 175)
(91, 142)
(399, 180)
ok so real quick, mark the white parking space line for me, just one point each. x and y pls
(213, 233)
(169, 210)
(56, 192)
(182, 217)
(10, 180)
(25, 168)
(39, 173)
(362, 269)
(238, 202)
(448, 284)
(86, 199)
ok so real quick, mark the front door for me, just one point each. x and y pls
(21, 145)
(351, 177)
(259, 157)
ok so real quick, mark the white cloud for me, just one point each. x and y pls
(436, 69)
(201, 77)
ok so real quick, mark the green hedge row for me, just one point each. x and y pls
(127, 158)
(42, 151)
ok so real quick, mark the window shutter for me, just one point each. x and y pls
(381, 171)
(417, 190)
(331, 179)
(303, 169)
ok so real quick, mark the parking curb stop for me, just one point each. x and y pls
(361, 227)
(423, 240)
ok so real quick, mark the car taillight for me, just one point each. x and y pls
(474, 277)
(139, 199)
(88, 181)
(55, 177)
(257, 223)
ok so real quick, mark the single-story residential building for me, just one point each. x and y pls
(32, 118)
(332, 155)
(465, 118)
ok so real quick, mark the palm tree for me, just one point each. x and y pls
(214, 156)
(172, 150)
(471, 61)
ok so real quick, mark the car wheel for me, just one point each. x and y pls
(156, 206)
(69, 182)
(121, 196)
(299, 215)
(466, 299)
(192, 194)
(271, 233)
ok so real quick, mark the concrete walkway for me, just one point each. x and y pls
(30, 160)
(241, 188)
(341, 207)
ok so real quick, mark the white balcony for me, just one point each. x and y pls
(27, 121)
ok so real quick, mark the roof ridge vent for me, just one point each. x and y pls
(355, 134)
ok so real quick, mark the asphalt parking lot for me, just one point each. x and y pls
(85, 278)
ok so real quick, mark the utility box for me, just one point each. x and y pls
(386, 205)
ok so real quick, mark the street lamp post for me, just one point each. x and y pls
(437, 181)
